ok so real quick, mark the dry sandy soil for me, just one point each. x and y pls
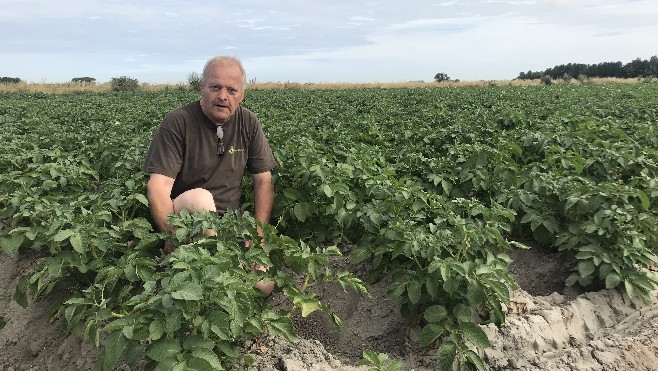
(548, 328)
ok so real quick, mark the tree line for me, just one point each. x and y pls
(16, 80)
(633, 69)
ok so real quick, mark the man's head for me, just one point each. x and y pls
(222, 88)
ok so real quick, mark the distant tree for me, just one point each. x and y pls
(9, 80)
(88, 80)
(638, 68)
(194, 80)
(635, 68)
(584, 79)
(653, 66)
(441, 77)
(529, 75)
(124, 83)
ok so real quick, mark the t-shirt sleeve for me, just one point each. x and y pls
(165, 153)
(260, 158)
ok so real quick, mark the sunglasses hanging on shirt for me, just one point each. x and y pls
(220, 140)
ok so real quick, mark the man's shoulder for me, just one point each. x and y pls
(246, 112)
(183, 115)
(189, 110)
(247, 116)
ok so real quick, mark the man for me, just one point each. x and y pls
(197, 157)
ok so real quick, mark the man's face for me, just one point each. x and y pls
(222, 92)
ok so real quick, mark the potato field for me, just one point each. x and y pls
(429, 189)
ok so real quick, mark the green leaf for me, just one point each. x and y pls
(309, 306)
(644, 199)
(301, 211)
(432, 286)
(20, 294)
(170, 364)
(220, 324)
(612, 280)
(585, 268)
(3, 322)
(11, 244)
(369, 358)
(446, 356)
(114, 345)
(292, 194)
(359, 254)
(156, 329)
(571, 280)
(475, 334)
(167, 302)
(128, 332)
(281, 326)
(475, 294)
(188, 291)
(327, 190)
(76, 242)
(173, 322)
(163, 349)
(132, 355)
(63, 235)
(430, 333)
(435, 313)
(208, 356)
(414, 291)
(142, 199)
(197, 341)
(475, 359)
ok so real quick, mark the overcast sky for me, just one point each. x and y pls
(318, 41)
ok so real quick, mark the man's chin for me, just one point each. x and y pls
(222, 117)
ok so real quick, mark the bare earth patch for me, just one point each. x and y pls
(548, 328)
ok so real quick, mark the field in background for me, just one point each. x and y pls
(60, 88)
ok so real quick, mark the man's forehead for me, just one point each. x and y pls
(225, 68)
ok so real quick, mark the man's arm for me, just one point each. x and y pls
(158, 191)
(263, 196)
(263, 203)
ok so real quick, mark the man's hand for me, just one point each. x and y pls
(265, 288)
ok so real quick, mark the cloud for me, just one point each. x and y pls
(321, 41)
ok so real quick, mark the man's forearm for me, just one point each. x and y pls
(161, 207)
(158, 191)
(263, 200)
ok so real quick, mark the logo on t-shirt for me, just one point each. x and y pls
(232, 150)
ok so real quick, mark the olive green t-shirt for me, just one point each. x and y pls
(185, 148)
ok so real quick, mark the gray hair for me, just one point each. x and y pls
(224, 60)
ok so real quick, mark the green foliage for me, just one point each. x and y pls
(441, 77)
(124, 83)
(194, 80)
(583, 79)
(431, 191)
(89, 80)
(546, 80)
(9, 80)
(637, 68)
(379, 362)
